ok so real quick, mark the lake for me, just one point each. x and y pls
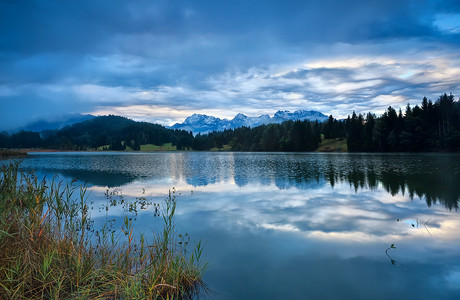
(294, 225)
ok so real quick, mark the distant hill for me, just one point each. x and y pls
(198, 123)
(115, 133)
(55, 123)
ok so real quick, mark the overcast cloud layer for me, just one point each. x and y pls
(161, 61)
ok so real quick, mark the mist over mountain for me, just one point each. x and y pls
(55, 123)
(199, 123)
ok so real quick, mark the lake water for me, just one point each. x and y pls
(295, 226)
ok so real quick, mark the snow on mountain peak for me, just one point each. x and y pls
(240, 116)
(195, 118)
(199, 123)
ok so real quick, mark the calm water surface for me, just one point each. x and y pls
(297, 226)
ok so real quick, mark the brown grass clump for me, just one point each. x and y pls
(8, 153)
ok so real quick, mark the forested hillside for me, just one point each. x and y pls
(425, 128)
(108, 132)
(287, 136)
(428, 127)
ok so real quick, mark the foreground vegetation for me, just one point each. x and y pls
(48, 248)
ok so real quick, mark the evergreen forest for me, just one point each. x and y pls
(428, 127)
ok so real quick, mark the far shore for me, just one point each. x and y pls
(11, 153)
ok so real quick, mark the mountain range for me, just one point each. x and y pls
(198, 123)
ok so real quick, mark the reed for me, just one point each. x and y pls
(48, 248)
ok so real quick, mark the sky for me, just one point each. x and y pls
(161, 61)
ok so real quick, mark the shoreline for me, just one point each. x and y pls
(11, 153)
(24, 152)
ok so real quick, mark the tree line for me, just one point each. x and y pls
(287, 136)
(427, 127)
(109, 132)
(118, 133)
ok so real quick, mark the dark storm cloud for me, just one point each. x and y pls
(182, 57)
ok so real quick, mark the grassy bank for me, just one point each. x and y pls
(333, 145)
(146, 147)
(164, 147)
(48, 248)
(224, 148)
(8, 153)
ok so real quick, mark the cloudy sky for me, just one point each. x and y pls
(161, 61)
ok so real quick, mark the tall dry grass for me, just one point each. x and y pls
(49, 250)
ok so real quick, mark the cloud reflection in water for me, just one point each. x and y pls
(302, 225)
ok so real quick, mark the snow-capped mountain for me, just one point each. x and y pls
(198, 123)
(312, 115)
(241, 120)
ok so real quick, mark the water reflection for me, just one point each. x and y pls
(298, 225)
(431, 177)
(94, 178)
(269, 243)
